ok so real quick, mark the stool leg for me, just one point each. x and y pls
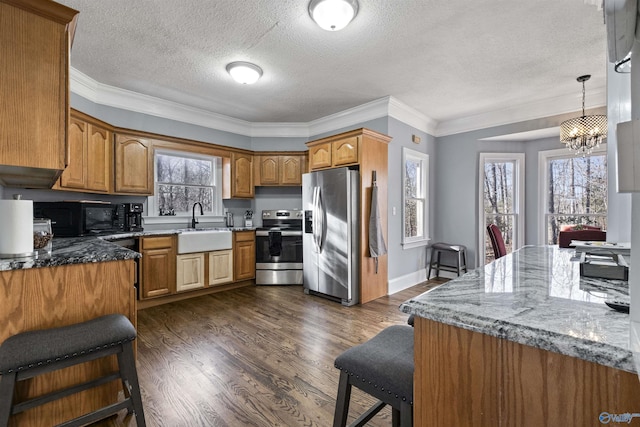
(433, 252)
(459, 263)
(127, 366)
(464, 257)
(438, 265)
(395, 417)
(406, 414)
(342, 401)
(7, 385)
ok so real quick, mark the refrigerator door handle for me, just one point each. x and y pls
(314, 219)
(320, 216)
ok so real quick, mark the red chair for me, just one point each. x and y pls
(497, 242)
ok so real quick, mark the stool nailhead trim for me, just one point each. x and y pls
(404, 398)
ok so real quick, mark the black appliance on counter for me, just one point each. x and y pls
(279, 248)
(130, 216)
(90, 218)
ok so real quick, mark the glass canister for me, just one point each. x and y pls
(42, 235)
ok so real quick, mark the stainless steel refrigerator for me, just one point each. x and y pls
(330, 200)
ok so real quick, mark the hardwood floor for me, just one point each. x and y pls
(256, 356)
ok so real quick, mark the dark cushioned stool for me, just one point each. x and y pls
(458, 251)
(383, 368)
(34, 353)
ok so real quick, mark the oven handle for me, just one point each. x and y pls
(265, 233)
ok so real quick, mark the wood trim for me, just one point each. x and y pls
(195, 293)
(90, 119)
(469, 378)
(371, 134)
(51, 10)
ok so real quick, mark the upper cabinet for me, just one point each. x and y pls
(334, 152)
(90, 151)
(242, 176)
(279, 169)
(35, 39)
(133, 165)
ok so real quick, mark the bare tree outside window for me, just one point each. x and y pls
(414, 198)
(499, 193)
(183, 181)
(576, 193)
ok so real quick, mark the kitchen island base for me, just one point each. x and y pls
(469, 378)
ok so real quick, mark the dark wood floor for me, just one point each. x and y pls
(256, 356)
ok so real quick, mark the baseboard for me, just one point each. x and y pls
(408, 280)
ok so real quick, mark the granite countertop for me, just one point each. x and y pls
(72, 250)
(81, 250)
(536, 297)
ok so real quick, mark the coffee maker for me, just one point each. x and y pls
(132, 214)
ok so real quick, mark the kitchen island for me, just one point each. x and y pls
(81, 279)
(523, 340)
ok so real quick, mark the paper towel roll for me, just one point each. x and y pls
(16, 227)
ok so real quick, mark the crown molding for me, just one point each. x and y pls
(111, 96)
(557, 105)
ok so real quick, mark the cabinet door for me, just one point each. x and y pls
(244, 255)
(134, 165)
(290, 170)
(320, 156)
(269, 170)
(75, 174)
(242, 172)
(157, 267)
(345, 151)
(99, 159)
(220, 267)
(189, 272)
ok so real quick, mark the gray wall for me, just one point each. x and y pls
(456, 197)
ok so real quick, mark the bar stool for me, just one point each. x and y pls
(32, 353)
(382, 367)
(458, 251)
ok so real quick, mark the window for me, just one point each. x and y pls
(415, 224)
(502, 200)
(182, 179)
(573, 191)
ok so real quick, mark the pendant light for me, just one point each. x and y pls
(583, 134)
(245, 73)
(333, 15)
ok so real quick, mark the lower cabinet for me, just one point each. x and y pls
(220, 267)
(244, 255)
(157, 266)
(190, 272)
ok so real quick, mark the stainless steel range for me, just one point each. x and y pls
(279, 248)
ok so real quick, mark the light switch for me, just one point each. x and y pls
(393, 211)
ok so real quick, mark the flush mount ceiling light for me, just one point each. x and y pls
(583, 134)
(333, 15)
(245, 73)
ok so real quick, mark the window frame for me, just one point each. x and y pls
(423, 239)
(543, 176)
(152, 216)
(518, 204)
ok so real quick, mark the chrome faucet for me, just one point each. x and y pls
(194, 221)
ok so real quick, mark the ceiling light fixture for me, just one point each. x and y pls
(583, 134)
(333, 15)
(245, 73)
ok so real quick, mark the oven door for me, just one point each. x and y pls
(281, 250)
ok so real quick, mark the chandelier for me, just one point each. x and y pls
(583, 134)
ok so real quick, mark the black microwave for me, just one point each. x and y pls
(71, 219)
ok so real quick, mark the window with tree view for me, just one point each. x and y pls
(414, 174)
(182, 180)
(576, 193)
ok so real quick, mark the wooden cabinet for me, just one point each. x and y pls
(244, 255)
(35, 38)
(157, 266)
(90, 151)
(335, 153)
(190, 272)
(133, 165)
(369, 151)
(279, 169)
(220, 267)
(242, 176)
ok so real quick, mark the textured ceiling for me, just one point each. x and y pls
(448, 59)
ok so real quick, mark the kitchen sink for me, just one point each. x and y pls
(203, 241)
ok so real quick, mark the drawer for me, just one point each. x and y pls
(156, 242)
(244, 236)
